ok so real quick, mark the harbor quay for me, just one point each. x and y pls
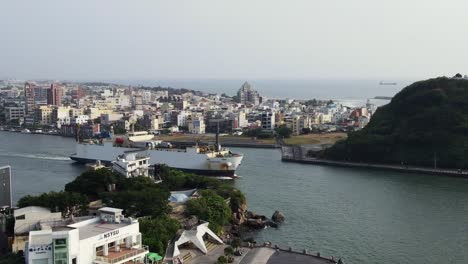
(263, 254)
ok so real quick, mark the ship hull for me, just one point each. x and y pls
(187, 161)
(227, 173)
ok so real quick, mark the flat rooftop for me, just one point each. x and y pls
(98, 228)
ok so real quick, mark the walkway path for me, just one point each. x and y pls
(295, 154)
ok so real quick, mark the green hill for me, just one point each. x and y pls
(425, 120)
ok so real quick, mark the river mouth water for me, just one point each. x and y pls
(362, 216)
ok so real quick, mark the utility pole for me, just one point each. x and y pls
(435, 160)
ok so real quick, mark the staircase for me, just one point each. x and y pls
(187, 258)
(210, 245)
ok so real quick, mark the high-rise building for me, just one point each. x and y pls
(54, 94)
(78, 93)
(247, 95)
(29, 98)
(40, 95)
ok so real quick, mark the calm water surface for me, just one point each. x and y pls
(362, 216)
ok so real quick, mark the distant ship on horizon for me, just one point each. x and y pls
(387, 83)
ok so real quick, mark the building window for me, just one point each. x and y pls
(20, 217)
(60, 251)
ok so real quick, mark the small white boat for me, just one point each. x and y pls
(25, 131)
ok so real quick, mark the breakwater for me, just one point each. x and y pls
(298, 154)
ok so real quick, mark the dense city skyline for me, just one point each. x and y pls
(242, 40)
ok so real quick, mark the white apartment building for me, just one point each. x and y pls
(242, 120)
(106, 238)
(132, 164)
(182, 118)
(81, 119)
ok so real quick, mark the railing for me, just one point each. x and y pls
(132, 253)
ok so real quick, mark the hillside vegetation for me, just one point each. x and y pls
(426, 121)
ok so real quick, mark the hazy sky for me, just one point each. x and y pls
(294, 39)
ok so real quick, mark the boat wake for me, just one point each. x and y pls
(36, 156)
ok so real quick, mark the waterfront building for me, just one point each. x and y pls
(268, 120)
(108, 119)
(29, 97)
(196, 125)
(152, 121)
(132, 164)
(182, 118)
(78, 120)
(106, 238)
(55, 94)
(93, 112)
(76, 112)
(43, 115)
(247, 95)
(61, 115)
(40, 95)
(14, 113)
(298, 123)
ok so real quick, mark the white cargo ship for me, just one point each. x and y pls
(203, 160)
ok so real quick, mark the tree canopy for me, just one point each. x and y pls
(212, 208)
(284, 131)
(69, 203)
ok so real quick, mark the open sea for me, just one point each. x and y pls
(362, 216)
(294, 89)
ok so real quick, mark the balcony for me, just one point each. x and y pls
(125, 255)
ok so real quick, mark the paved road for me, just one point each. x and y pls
(258, 256)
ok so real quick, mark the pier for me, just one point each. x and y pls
(298, 154)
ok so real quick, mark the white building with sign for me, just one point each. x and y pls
(107, 238)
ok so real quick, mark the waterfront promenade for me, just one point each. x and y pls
(298, 154)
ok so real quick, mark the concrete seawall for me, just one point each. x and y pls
(297, 154)
(229, 144)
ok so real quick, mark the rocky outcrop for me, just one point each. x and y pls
(249, 219)
(277, 217)
(239, 214)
